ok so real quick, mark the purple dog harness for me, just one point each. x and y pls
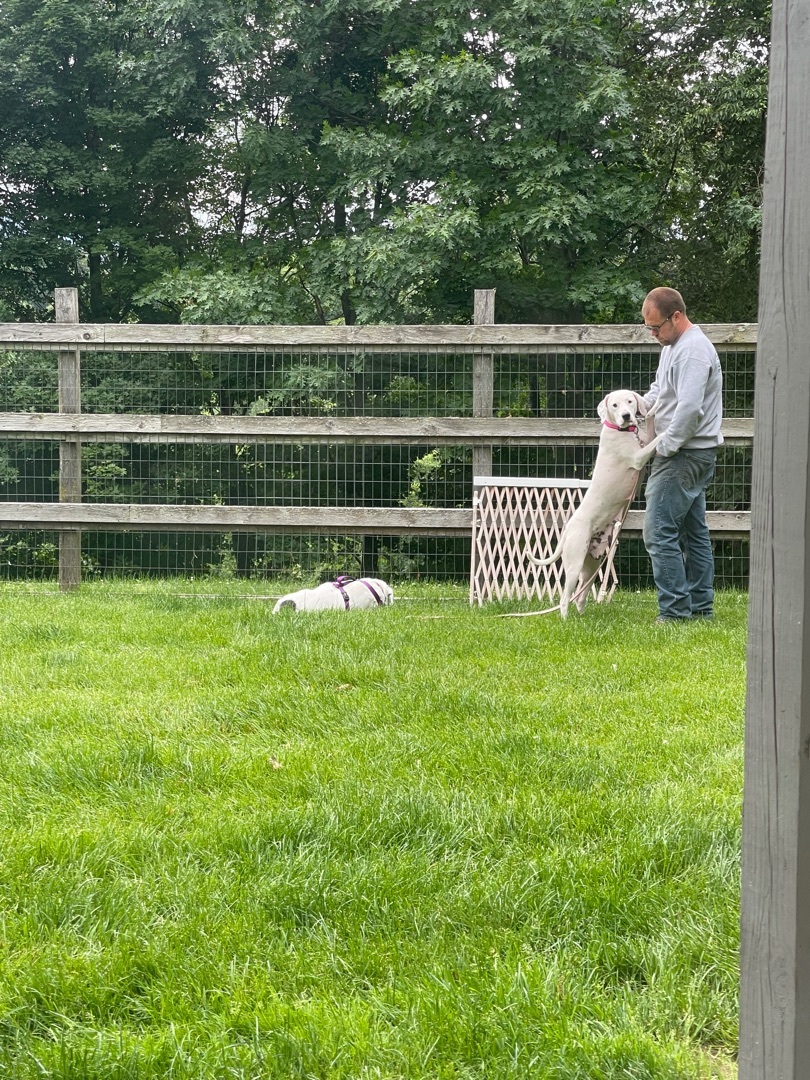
(343, 580)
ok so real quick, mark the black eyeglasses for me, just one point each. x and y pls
(655, 329)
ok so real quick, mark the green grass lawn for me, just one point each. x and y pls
(413, 842)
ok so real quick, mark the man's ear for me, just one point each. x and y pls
(601, 409)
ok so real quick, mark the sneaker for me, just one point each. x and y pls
(702, 614)
(670, 620)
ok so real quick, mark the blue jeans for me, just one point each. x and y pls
(676, 534)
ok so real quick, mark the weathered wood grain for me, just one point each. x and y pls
(484, 307)
(483, 378)
(378, 520)
(495, 336)
(775, 940)
(436, 431)
(66, 306)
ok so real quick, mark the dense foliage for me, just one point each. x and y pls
(376, 160)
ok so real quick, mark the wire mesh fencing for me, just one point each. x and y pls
(404, 381)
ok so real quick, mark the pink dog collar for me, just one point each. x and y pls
(615, 427)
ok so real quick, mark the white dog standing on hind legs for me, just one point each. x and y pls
(623, 452)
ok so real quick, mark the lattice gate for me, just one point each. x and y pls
(516, 515)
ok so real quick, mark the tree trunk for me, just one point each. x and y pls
(349, 314)
(96, 294)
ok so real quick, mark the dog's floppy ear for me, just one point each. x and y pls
(601, 409)
(641, 405)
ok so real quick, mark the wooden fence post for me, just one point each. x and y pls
(483, 378)
(66, 303)
(775, 939)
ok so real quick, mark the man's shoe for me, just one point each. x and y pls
(670, 620)
(702, 614)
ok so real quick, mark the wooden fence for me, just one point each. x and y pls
(481, 431)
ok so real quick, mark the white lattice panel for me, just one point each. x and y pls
(513, 517)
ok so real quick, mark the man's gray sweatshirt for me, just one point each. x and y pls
(689, 384)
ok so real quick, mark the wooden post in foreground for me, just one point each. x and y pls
(483, 378)
(66, 303)
(775, 948)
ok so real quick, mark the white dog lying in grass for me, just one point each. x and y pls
(343, 594)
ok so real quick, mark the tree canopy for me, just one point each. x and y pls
(377, 160)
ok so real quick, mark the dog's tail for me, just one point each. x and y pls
(550, 559)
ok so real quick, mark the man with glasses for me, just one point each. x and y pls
(688, 387)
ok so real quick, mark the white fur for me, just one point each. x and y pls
(620, 458)
(329, 597)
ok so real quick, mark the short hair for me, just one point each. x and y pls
(667, 301)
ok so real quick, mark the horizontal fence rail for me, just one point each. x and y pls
(449, 431)
(553, 336)
(422, 521)
(370, 434)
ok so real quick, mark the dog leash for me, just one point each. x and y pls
(615, 530)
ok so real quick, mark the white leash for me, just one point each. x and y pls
(617, 528)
